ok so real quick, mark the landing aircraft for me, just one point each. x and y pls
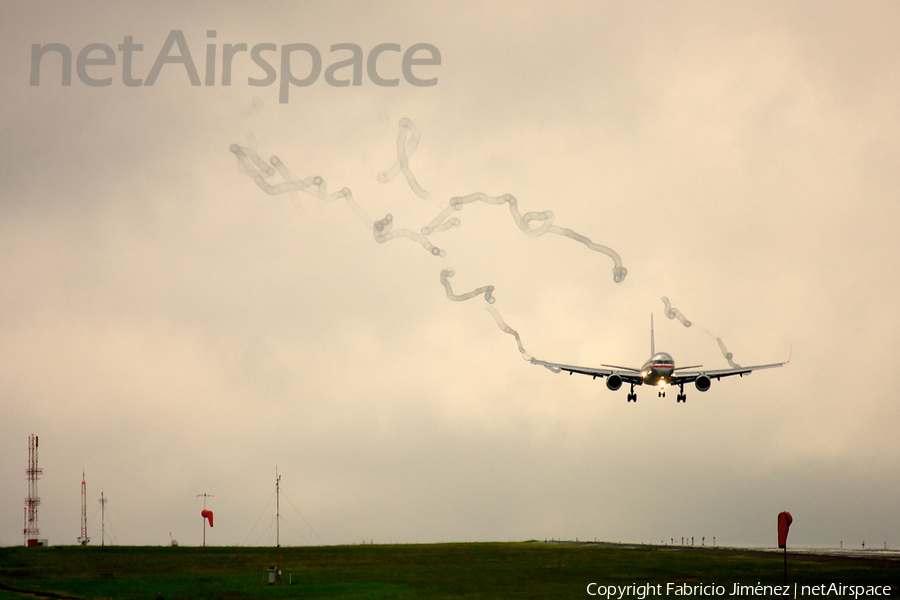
(659, 370)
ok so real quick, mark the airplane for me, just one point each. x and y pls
(659, 370)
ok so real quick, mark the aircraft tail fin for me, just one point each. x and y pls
(652, 345)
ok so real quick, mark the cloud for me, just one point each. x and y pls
(171, 329)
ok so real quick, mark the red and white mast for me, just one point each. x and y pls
(84, 539)
(31, 530)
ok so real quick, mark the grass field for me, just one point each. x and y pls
(474, 570)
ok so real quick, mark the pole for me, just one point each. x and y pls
(785, 564)
(277, 526)
(102, 519)
(205, 496)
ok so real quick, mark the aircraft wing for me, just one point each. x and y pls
(689, 376)
(627, 375)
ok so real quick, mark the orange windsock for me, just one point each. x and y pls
(784, 523)
(207, 514)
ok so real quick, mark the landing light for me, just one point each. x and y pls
(662, 383)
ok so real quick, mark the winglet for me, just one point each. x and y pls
(790, 354)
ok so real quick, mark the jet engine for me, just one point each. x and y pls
(702, 383)
(614, 382)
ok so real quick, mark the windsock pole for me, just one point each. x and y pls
(784, 525)
(785, 565)
(205, 496)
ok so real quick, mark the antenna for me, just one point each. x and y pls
(84, 539)
(277, 528)
(205, 496)
(31, 529)
(102, 519)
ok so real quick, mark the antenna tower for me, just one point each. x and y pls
(84, 539)
(31, 530)
(102, 519)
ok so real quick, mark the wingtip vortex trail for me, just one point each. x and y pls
(533, 224)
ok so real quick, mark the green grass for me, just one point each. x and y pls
(472, 571)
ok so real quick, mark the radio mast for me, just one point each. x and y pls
(84, 539)
(31, 530)
(102, 519)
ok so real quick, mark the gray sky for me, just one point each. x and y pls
(171, 329)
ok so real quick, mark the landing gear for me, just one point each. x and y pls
(632, 397)
(682, 397)
(662, 394)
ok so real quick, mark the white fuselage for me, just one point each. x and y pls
(658, 369)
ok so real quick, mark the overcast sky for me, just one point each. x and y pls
(173, 330)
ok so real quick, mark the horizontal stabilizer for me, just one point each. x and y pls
(623, 368)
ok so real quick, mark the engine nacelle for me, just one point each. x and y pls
(702, 383)
(613, 382)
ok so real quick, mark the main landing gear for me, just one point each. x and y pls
(682, 397)
(632, 397)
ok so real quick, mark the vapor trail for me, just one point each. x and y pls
(404, 151)
(533, 224)
(382, 230)
(727, 354)
(250, 163)
(506, 328)
(674, 313)
(543, 220)
(487, 290)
